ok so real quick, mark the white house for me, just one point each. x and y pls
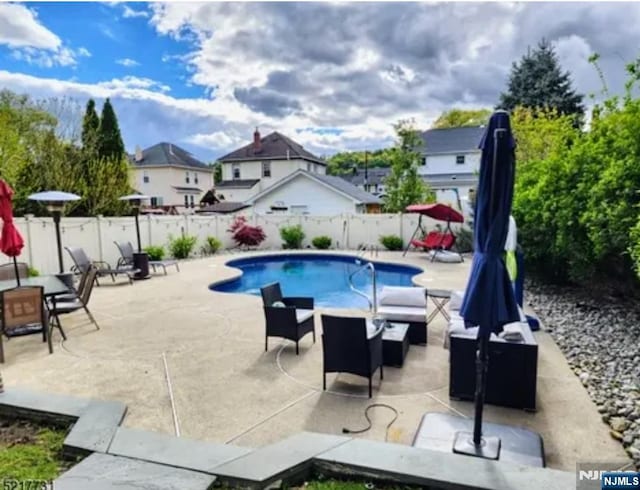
(369, 179)
(171, 176)
(253, 168)
(451, 161)
(303, 192)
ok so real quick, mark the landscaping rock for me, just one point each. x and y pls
(598, 334)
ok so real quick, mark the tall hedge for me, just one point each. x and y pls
(577, 191)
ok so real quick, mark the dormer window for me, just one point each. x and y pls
(235, 171)
(186, 177)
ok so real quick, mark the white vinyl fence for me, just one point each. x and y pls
(98, 234)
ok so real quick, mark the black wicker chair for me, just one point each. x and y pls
(347, 347)
(291, 318)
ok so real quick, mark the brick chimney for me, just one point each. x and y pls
(257, 145)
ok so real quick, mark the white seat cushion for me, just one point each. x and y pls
(402, 296)
(303, 315)
(403, 313)
(455, 302)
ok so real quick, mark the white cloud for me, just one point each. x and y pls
(128, 13)
(128, 62)
(19, 27)
(131, 82)
(32, 42)
(106, 30)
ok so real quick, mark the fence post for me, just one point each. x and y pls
(27, 218)
(99, 229)
(185, 231)
(149, 228)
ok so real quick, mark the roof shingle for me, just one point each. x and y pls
(273, 146)
(170, 155)
(452, 140)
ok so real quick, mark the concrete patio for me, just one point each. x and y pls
(227, 389)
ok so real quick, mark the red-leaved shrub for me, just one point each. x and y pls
(245, 234)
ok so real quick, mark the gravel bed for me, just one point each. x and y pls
(599, 335)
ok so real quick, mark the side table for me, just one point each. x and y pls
(395, 344)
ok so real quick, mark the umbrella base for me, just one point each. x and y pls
(489, 447)
(141, 262)
(438, 432)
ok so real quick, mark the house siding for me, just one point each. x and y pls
(303, 191)
(162, 181)
(446, 164)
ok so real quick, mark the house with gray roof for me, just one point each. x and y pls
(171, 176)
(451, 161)
(263, 162)
(312, 193)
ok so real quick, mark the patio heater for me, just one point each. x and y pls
(140, 258)
(55, 201)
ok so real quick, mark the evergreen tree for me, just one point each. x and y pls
(404, 185)
(537, 81)
(110, 144)
(90, 128)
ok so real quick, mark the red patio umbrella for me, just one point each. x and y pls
(11, 241)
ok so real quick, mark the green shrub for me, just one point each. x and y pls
(292, 236)
(464, 240)
(211, 245)
(181, 247)
(155, 252)
(321, 242)
(32, 272)
(391, 242)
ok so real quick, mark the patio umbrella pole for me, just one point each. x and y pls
(482, 363)
(15, 268)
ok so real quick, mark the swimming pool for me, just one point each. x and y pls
(321, 276)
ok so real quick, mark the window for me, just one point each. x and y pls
(186, 201)
(195, 177)
(308, 167)
(266, 169)
(186, 177)
(460, 159)
(156, 202)
(192, 201)
(424, 161)
(145, 177)
(235, 170)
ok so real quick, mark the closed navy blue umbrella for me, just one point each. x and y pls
(489, 301)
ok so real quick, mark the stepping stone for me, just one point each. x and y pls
(106, 472)
(95, 428)
(47, 406)
(174, 451)
(279, 460)
(435, 469)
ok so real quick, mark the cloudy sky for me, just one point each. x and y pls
(332, 76)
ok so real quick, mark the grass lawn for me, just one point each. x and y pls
(31, 451)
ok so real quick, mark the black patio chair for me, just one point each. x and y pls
(69, 303)
(82, 263)
(8, 271)
(348, 346)
(291, 318)
(24, 313)
(126, 251)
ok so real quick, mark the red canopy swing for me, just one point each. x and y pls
(434, 240)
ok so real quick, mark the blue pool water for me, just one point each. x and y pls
(323, 277)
